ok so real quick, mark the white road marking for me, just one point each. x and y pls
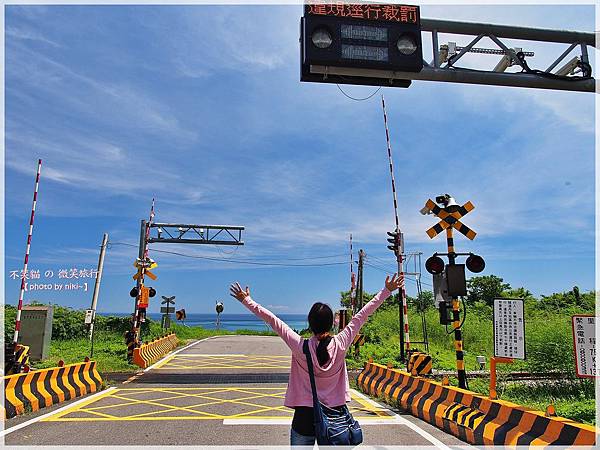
(288, 421)
(215, 354)
(51, 413)
(413, 426)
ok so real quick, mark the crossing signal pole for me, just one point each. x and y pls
(452, 276)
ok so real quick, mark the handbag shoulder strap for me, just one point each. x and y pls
(311, 372)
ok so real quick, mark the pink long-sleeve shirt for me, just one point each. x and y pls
(332, 379)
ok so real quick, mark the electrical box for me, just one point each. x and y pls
(457, 282)
(36, 330)
(89, 316)
(440, 288)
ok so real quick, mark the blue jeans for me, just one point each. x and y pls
(298, 439)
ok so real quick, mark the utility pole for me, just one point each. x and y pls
(359, 287)
(97, 290)
(352, 280)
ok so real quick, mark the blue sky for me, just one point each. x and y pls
(201, 107)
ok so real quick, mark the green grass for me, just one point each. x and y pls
(549, 348)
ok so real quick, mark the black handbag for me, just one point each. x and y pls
(332, 426)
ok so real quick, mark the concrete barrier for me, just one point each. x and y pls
(38, 389)
(150, 352)
(471, 417)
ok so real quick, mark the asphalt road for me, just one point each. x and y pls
(226, 390)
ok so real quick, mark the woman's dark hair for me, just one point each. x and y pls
(320, 320)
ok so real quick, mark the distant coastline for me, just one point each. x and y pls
(228, 321)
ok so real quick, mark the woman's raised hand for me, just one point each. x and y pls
(394, 283)
(237, 292)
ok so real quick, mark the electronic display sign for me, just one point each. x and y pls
(367, 36)
(390, 13)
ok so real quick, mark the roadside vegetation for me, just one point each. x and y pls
(549, 343)
(71, 344)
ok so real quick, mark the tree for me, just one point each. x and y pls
(485, 289)
(345, 299)
(521, 292)
(424, 301)
(573, 298)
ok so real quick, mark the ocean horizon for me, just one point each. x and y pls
(230, 322)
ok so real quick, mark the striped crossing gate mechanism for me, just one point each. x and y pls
(404, 328)
(11, 358)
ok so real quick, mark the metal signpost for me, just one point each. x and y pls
(509, 335)
(219, 309)
(584, 343)
(166, 311)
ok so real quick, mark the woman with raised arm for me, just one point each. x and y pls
(328, 351)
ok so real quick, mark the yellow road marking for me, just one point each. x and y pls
(200, 361)
(194, 412)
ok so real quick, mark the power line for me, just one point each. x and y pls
(239, 261)
(382, 269)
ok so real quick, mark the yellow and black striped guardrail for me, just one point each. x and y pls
(419, 363)
(472, 417)
(38, 389)
(146, 354)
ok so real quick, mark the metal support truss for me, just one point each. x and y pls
(195, 234)
(442, 68)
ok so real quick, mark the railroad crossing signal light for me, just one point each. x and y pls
(365, 36)
(133, 292)
(434, 265)
(394, 239)
(475, 263)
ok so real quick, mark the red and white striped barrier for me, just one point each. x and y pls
(26, 263)
(402, 290)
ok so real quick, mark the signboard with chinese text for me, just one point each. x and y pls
(362, 36)
(389, 13)
(584, 343)
(509, 328)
